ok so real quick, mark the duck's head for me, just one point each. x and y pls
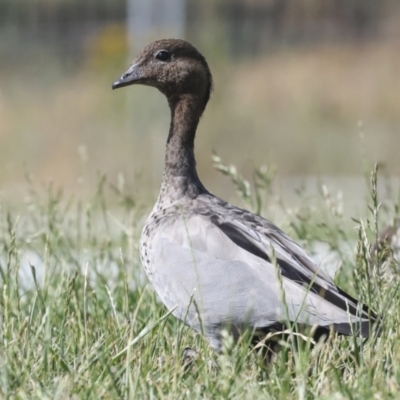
(173, 66)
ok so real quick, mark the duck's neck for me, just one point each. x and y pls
(180, 164)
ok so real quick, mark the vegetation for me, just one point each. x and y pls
(77, 316)
(79, 320)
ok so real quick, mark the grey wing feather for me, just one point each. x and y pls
(293, 261)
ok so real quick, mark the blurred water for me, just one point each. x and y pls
(105, 273)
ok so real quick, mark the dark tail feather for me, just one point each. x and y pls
(363, 329)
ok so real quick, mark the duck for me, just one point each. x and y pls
(218, 267)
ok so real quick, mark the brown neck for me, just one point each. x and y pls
(180, 163)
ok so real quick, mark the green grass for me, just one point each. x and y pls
(79, 320)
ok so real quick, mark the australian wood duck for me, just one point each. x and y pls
(216, 265)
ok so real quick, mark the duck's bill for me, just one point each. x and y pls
(130, 77)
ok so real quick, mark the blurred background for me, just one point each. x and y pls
(311, 87)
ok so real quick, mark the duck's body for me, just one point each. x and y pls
(216, 265)
(211, 263)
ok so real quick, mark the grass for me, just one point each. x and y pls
(79, 320)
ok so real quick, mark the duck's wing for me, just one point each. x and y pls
(261, 238)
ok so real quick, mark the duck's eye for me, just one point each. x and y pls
(163, 55)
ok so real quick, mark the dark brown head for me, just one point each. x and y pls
(174, 67)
